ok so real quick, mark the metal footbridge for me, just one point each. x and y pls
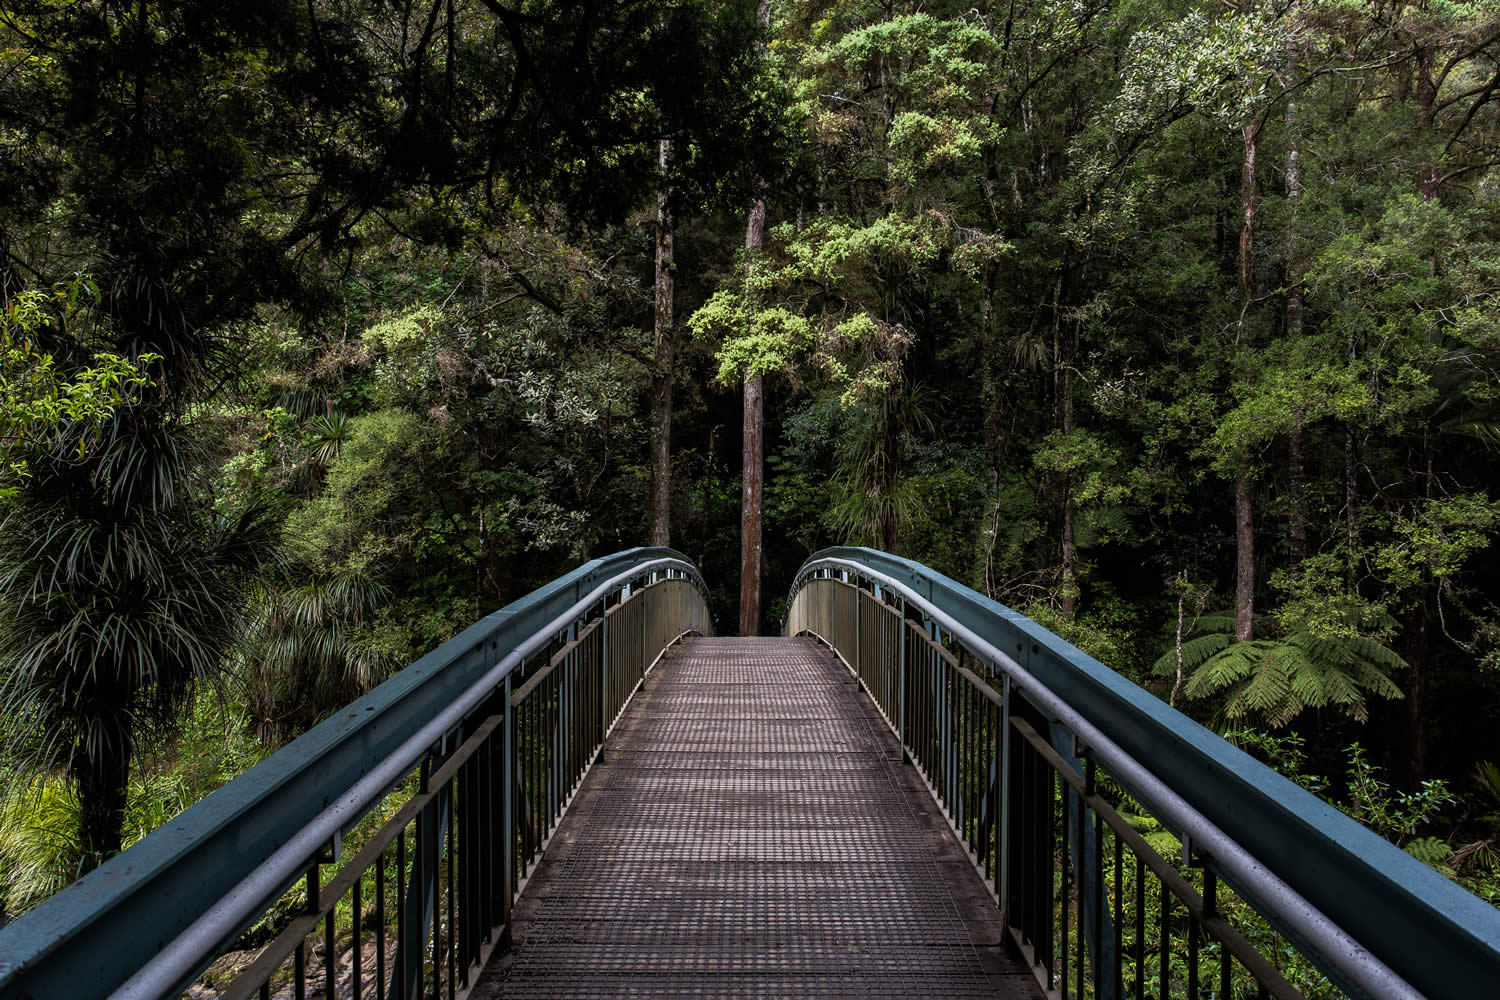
(915, 793)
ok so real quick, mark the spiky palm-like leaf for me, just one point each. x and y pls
(1194, 652)
(302, 655)
(874, 498)
(326, 436)
(115, 601)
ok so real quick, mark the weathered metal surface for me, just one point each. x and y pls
(751, 832)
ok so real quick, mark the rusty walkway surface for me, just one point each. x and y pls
(750, 831)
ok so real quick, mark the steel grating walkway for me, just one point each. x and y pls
(751, 832)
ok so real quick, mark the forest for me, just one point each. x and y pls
(330, 327)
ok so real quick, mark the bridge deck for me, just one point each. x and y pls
(751, 832)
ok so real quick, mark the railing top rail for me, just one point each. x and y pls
(138, 902)
(1439, 938)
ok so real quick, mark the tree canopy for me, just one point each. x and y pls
(330, 327)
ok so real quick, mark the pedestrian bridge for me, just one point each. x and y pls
(915, 793)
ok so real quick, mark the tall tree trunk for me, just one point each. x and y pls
(1414, 651)
(1244, 555)
(1297, 495)
(1244, 520)
(1296, 465)
(752, 475)
(103, 778)
(1351, 498)
(989, 385)
(1069, 540)
(890, 470)
(661, 406)
(1427, 105)
(1251, 135)
(753, 466)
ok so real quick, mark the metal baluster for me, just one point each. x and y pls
(356, 931)
(380, 926)
(1119, 957)
(1192, 955)
(1081, 847)
(330, 957)
(1063, 867)
(507, 811)
(398, 983)
(1096, 862)
(1211, 909)
(1140, 928)
(1164, 939)
(1051, 829)
(453, 929)
(299, 957)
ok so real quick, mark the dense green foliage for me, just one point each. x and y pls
(1123, 314)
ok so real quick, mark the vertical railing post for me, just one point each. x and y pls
(508, 813)
(422, 887)
(1003, 805)
(603, 668)
(1096, 926)
(901, 631)
(859, 665)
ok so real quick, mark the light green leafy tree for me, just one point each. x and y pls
(41, 398)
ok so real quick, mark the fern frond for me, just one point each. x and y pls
(1333, 652)
(1374, 652)
(1283, 713)
(1268, 686)
(1375, 680)
(1222, 669)
(1429, 850)
(1341, 688)
(1309, 683)
(1194, 652)
(1214, 621)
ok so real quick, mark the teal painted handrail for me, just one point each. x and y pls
(1442, 940)
(101, 929)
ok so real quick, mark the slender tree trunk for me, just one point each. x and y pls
(1427, 103)
(753, 467)
(1293, 194)
(890, 469)
(989, 384)
(1415, 653)
(752, 476)
(1244, 520)
(103, 780)
(1244, 576)
(1351, 496)
(1069, 540)
(1297, 495)
(1296, 465)
(1181, 631)
(1251, 135)
(661, 407)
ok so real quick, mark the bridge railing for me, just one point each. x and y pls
(444, 784)
(1059, 775)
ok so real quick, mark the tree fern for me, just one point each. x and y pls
(1274, 679)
